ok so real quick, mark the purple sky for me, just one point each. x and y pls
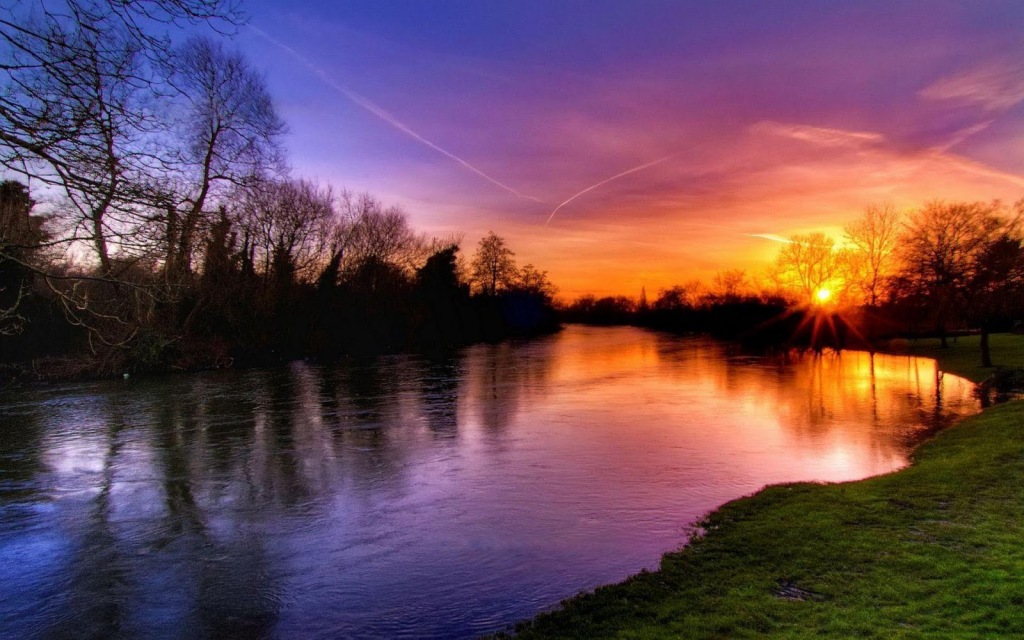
(775, 118)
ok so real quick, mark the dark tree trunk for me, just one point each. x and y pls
(100, 242)
(986, 354)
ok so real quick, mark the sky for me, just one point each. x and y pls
(728, 121)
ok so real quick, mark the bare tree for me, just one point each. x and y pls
(79, 85)
(535, 282)
(730, 284)
(939, 253)
(493, 267)
(807, 264)
(229, 132)
(78, 129)
(39, 37)
(996, 287)
(873, 237)
(75, 75)
(288, 227)
(383, 235)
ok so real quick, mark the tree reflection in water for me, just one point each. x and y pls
(443, 497)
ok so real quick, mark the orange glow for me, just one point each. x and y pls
(613, 241)
(823, 295)
(671, 167)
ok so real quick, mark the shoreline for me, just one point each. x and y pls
(69, 370)
(930, 549)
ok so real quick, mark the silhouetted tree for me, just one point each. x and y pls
(82, 111)
(729, 284)
(608, 310)
(380, 234)
(223, 309)
(494, 267)
(939, 253)
(439, 275)
(444, 299)
(807, 264)
(228, 130)
(94, 156)
(289, 224)
(377, 313)
(21, 236)
(874, 237)
(80, 81)
(534, 282)
(220, 262)
(671, 299)
(996, 286)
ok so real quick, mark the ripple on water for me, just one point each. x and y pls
(407, 498)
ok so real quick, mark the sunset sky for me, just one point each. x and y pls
(753, 118)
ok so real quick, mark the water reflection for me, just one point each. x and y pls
(415, 497)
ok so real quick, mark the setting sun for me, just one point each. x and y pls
(605, 266)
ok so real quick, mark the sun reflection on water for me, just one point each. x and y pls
(446, 497)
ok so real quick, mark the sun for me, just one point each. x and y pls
(822, 295)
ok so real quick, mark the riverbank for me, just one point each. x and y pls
(933, 549)
(61, 369)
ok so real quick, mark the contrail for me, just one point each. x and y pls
(376, 110)
(770, 236)
(604, 182)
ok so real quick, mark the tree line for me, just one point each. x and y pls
(939, 269)
(149, 219)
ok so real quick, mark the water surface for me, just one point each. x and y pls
(408, 497)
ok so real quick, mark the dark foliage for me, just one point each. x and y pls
(232, 315)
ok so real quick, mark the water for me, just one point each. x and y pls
(405, 497)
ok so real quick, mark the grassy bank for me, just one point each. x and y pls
(934, 550)
(963, 357)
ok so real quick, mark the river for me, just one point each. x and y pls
(410, 497)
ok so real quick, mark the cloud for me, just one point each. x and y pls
(754, 164)
(994, 87)
(823, 136)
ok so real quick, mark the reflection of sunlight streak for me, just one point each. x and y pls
(606, 181)
(376, 110)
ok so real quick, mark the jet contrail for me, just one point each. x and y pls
(770, 236)
(376, 110)
(604, 182)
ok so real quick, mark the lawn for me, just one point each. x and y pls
(934, 550)
(963, 357)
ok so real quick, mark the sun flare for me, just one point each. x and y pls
(823, 295)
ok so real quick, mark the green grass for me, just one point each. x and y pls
(935, 550)
(963, 357)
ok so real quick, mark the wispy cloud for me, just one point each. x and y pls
(774, 146)
(823, 136)
(994, 87)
